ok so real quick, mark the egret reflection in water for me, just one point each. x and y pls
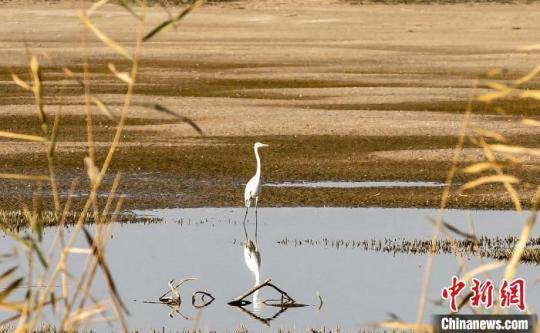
(260, 310)
(252, 258)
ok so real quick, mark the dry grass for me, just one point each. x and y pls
(484, 247)
(487, 172)
(17, 220)
(73, 303)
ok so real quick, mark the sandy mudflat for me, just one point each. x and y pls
(340, 91)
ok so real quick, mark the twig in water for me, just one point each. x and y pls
(173, 289)
(265, 321)
(285, 301)
(202, 298)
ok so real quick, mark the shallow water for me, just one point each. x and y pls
(331, 184)
(357, 287)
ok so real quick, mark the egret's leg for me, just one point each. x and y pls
(245, 215)
(256, 201)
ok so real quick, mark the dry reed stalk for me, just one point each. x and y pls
(444, 200)
(491, 164)
(30, 309)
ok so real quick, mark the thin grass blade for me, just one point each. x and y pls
(104, 38)
(479, 167)
(187, 120)
(169, 22)
(9, 289)
(18, 176)
(26, 137)
(489, 179)
(20, 82)
(102, 107)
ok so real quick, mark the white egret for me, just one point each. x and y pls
(252, 256)
(253, 187)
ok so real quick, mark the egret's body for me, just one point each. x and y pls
(253, 187)
(252, 191)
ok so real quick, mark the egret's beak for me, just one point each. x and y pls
(264, 145)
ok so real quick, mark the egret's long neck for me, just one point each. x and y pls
(258, 173)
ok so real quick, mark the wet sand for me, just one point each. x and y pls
(339, 91)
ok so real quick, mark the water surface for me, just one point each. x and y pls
(357, 287)
(333, 184)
